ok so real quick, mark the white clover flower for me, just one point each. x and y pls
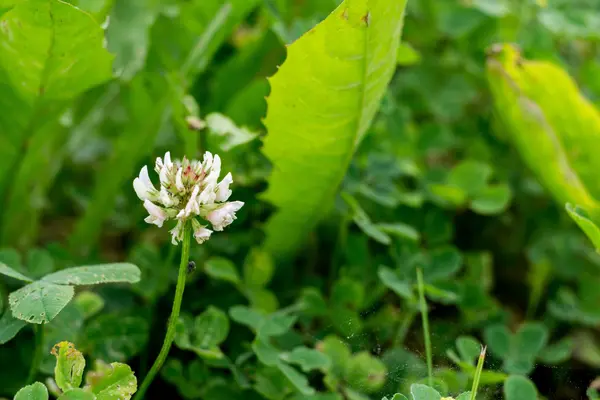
(188, 189)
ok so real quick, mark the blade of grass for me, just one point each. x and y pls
(478, 373)
(425, 319)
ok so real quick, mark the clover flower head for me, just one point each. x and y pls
(188, 190)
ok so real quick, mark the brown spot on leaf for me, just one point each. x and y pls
(366, 18)
(345, 14)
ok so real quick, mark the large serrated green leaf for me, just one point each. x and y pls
(554, 127)
(70, 363)
(50, 52)
(39, 302)
(323, 99)
(94, 274)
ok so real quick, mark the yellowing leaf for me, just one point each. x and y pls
(555, 129)
(70, 363)
(322, 101)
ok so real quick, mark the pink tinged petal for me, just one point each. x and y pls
(223, 192)
(224, 215)
(201, 234)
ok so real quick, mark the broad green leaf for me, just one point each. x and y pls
(258, 268)
(470, 175)
(226, 134)
(519, 387)
(94, 274)
(276, 324)
(360, 218)
(468, 348)
(492, 199)
(585, 223)
(77, 394)
(205, 333)
(6, 270)
(116, 337)
(365, 372)
(111, 382)
(70, 363)
(316, 117)
(498, 339)
(127, 35)
(9, 326)
(222, 269)
(308, 359)
(390, 279)
(464, 396)
(397, 396)
(400, 230)
(554, 128)
(423, 392)
(338, 352)
(89, 303)
(247, 316)
(299, 381)
(50, 52)
(262, 299)
(37, 391)
(531, 338)
(558, 352)
(407, 55)
(39, 262)
(39, 302)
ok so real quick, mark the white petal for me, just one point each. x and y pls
(201, 234)
(177, 233)
(208, 195)
(168, 162)
(157, 215)
(140, 189)
(223, 192)
(145, 177)
(216, 165)
(224, 215)
(208, 160)
(192, 205)
(178, 180)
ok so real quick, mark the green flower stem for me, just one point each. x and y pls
(37, 356)
(425, 318)
(404, 327)
(164, 351)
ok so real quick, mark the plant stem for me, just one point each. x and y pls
(164, 351)
(404, 327)
(477, 374)
(38, 353)
(425, 318)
